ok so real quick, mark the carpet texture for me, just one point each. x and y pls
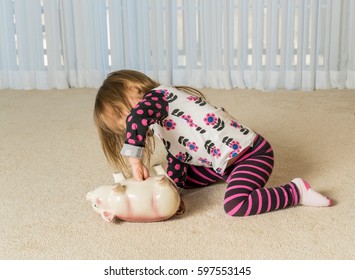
(50, 156)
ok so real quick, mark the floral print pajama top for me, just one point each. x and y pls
(193, 131)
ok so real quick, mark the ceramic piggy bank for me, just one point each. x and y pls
(151, 200)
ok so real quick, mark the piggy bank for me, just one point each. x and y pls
(151, 200)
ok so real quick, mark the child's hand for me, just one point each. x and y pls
(139, 171)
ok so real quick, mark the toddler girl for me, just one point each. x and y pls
(204, 143)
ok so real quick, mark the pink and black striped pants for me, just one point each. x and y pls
(245, 194)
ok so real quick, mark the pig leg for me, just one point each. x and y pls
(107, 216)
(181, 210)
(118, 177)
(159, 170)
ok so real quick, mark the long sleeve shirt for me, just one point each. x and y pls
(193, 131)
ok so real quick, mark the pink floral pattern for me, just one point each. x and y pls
(189, 120)
(235, 124)
(181, 156)
(235, 146)
(210, 119)
(204, 160)
(169, 124)
(215, 152)
(192, 146)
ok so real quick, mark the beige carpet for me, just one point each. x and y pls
(50, 157)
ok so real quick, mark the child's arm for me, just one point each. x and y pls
(139, 170)
(151, 109)
(176, 170)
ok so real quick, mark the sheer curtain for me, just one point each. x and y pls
(263, 44)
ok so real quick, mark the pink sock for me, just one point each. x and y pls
(309, 197)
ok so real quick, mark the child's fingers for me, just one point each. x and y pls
(145, 173)
(140, 173)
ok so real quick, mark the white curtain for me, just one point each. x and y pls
(263, 44)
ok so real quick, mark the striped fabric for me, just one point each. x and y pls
(245, 194)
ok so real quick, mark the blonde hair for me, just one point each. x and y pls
(113, 93)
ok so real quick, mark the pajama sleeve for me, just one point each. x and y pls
(151, 109)
(176, 170)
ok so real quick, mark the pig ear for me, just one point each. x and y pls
(88, 195)
(107, 216)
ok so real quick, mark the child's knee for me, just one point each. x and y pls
(232, 212)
